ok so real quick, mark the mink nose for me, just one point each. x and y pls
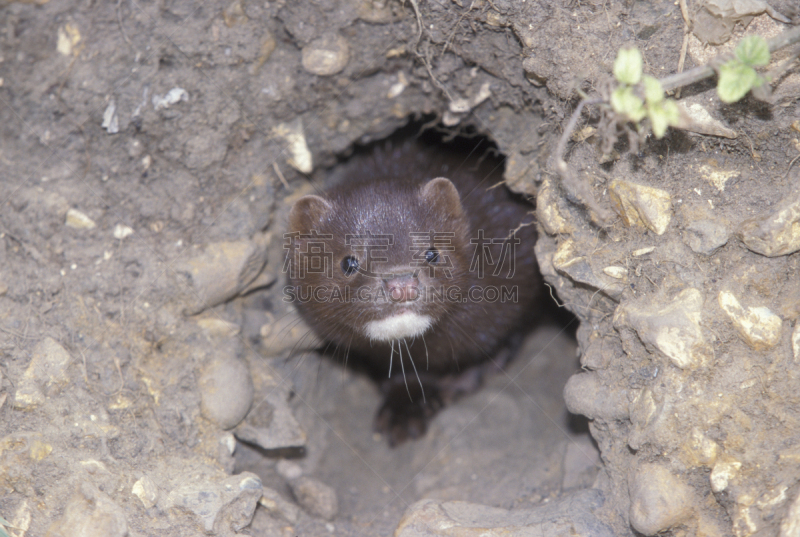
(402, 288)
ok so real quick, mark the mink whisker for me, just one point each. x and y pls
(421, 389)
(390, 360)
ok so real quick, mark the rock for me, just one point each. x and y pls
(78, 220)
(724, 470)
(228, 504)
(121, 231)
(46, 374)
(226, 391)
(146, 490)
(796, 342)
(217, 328)
(68, 37)
(777, 233)
(273, 502)
(317, 498)
(640, 205)
(175, 95)
(790, 525)
(299, 156)
(549, 211)
(288, 469)
(273, 425)
(644, 410)
(90, 513)
(288, 332)
(620, 273)
(702, 450)
(586, 394)
(716, 176)
(221, 270)
(672, 328)
(760, 327)
(226, 447)
(696, 118)
(111, 118)
(572, 515)
(326, 55)
(706, 236)
(659, 500)
(570, 262)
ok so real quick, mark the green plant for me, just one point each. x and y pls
(625, 99)
(737, 76)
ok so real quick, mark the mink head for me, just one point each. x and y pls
(378, 261)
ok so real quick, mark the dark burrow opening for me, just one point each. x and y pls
(336, 396)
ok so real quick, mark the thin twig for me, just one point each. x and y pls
(789, 37)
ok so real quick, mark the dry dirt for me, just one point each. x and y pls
(149, 153)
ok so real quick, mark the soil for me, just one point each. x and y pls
(153, 381)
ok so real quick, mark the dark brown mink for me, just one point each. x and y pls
(419, 268)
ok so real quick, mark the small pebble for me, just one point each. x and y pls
(288, 470)
(78, 220)
(315, 497)
(226, 391)
(121, 231)
(327, 55)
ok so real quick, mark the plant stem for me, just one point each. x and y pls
(691, 76)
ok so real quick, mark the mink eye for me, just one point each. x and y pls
(432, 255)
(349, 265)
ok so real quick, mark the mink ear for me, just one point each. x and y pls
(442, 193)
(308, 212)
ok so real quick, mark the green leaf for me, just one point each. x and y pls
(625, 103)
(653, 92)
(753, 51)
(663, 115)
(735, 80)
(628, 66)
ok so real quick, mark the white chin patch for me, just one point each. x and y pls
(400, 326)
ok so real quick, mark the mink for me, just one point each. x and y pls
(418, 267)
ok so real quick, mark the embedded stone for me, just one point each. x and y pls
(572, 515)
(46, 373)
(706, 236)
(315, 497)
(274, 425)
(78, 220)
(790, 525)
(586, 394)
(642, 206)
(219, 506)
(90, 513)
(570, 262)
(722, 473)
(548, 211)
(671, 328)
(221, 270)
(273, 502)
(326, 55)
(774, 234)
(659, 500)
(702, 450)
(299, 155)
(226, 391)
(146, 490)
(760, 327)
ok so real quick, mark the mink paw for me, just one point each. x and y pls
(403, 417)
